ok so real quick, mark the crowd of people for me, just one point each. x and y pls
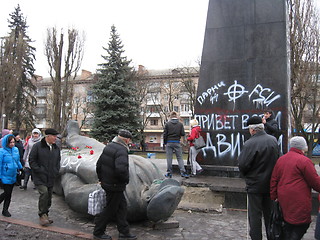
(36, 157)
(269, 175)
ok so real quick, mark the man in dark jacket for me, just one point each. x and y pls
(113, 172)
(173, 131)
(271, 126)
(44, 161)
(256, 162)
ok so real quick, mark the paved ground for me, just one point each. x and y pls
(230, 224)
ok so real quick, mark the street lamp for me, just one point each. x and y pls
(3, 117)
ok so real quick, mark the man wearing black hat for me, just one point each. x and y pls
(44, 161)
(256, 162)
(113, 173)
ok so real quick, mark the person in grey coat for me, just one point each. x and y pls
(256, 162)
(36, 137)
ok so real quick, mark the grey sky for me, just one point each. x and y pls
(156, 33)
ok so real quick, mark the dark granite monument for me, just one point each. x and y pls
(149, 197)
(244, 70)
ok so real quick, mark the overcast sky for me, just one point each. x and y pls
(158, 34)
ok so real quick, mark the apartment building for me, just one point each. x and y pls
(82, 96)
(160, 91)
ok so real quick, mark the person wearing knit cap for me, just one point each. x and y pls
(35, 137)
(193, 152)
(292, 179)
(4, 132)
(113, 173)
(256, 161)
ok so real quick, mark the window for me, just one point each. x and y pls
(186, 122)
(154, 122)
(40, 111)
(89, 96)
(184, 107)
(176, 108)
(41, 92)
(41, 101)
(152, 109)
(153, 97)
(152, 139)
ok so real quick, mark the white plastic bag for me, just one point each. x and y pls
(96, 202)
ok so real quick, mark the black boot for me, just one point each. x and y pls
(5, 211)
(1, 198)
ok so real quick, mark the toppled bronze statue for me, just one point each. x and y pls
(149, 197)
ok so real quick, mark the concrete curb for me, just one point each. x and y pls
(78, 234)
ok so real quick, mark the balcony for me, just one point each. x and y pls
(185, 114)
(152, 115)
(151, 102)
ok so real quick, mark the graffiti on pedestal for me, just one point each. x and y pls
(226, 130)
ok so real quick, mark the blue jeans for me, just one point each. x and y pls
(174, 147)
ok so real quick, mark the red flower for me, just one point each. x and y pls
(79, 156)
(91, 152)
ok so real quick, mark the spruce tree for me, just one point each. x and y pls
(23, 57)
(115, 103)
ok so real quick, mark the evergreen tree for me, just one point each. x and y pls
(115, 102)
(22, 60)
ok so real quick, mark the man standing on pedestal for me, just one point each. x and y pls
(256, 162)
(173, 131)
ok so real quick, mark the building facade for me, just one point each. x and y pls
(159, 92)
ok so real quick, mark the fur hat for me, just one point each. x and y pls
(299, 143)
(124, 133)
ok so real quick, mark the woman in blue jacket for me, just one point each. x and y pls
(9, 166)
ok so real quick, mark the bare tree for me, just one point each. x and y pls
(187, 75)
(62, 85)
(141, 86)
(304, 61)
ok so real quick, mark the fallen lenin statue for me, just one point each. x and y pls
(149, 197)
